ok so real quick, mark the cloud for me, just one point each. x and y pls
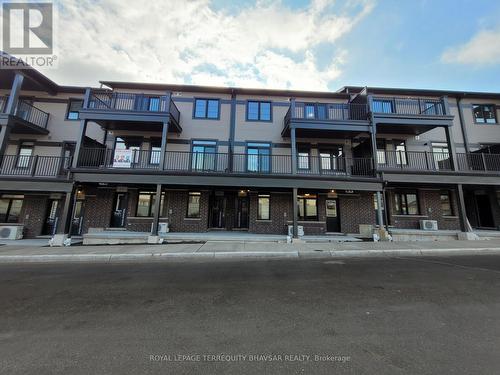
(481, 49)
(266, 44)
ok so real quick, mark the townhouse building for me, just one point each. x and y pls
(132, 156)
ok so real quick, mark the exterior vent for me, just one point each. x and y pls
(428, 225)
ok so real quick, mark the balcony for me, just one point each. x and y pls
(25, 166)
(185, 163)
(27, 119)
(118, 110)
(409, 115)
(321, 119)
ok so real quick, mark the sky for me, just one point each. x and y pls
(312, 45)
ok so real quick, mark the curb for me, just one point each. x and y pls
(148, 257)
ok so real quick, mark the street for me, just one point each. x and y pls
(358, 316)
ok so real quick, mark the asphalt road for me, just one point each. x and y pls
(396, 316)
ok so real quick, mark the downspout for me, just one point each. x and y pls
(232, 129)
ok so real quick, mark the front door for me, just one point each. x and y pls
(119, 213)
(484, 214)
(332, 215)
(50, 223)
(77, 220)
(242, 211)
(217, 212)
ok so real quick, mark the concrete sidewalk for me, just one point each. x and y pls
(234, 250)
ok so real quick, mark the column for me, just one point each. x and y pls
(294, 150)
(163, 148)
(4, 138)
(379, 211)
(156, 213)
(462, 213)
(11, 106)
(451, 147)
(295, 214)
(373, 138)
(79, 142)
(64, 223)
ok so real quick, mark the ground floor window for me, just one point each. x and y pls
(263, 212)
(308, 207)
(146, 203)
(446, 206)
(193, 207)
(10, 209)
(406, 203)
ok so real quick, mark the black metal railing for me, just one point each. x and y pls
(3, 103)
(328, 111)
(414, 160)
(224, 163)
(31, 114)
(34, 166)
(478, 162)
(409, 106)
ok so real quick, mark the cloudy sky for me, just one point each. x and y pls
(299, 44)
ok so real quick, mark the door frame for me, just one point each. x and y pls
(113, 210)
(338, 215)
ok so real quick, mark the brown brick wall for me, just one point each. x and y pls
(33, 214)
(280, 213)
(355, 210)
(430, 209)
(97, 208)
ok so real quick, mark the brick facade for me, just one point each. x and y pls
(33, 214)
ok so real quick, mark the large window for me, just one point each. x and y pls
(206, 108)
(382, 106)
(203, 155)
(400, 147)
(484, 113)
(25, 153)
(193, 206)
(155, 147)
(74, 107)
(263, 212)
(10, 208)
(308, 207)
(406, 203)
(446, 206)
(441, 156)
(146, 203)
(258, 111)
(258, 157)
(331, 159)
(303, 156)
(381, 154)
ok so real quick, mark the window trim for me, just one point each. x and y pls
(151, 194)
(206, 109)
(268, 196)
(198, 194)
(68, 106)
(259, 102)
(482, 110)
(405, 193)
(303, 198)
(270, 147)
(19, 156)
(303, 150)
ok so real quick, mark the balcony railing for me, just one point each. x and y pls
(224, 163)
(414, 160)
(476, 162)
(3, 103)
(132, 102)
(327, 111)
(31, 114)
(34, 166)
(409, 106)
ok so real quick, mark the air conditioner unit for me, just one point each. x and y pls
(300, 230)
(11, 232)
(163, 228)
(428, 225)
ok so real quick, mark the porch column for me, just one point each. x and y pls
(64, 222)
(295, 214)
(79, 142)
(451, 147)
(10, 108)
(163, 148)
(4, 138)
(373, 138)
(380, 215)
(462, 213)
(156, 214)
(294, 150)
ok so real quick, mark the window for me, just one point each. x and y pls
(10, 208)
(382, 106)
(308, 210)
(263, 212)
(258, 157)
(203, 155)
(381, 154)
(484, 113)
(146, 203)
(400, 148)
(206, 108)
(74, 107)
(446, 207)
(331, 160)
(193, 207)
(441, 156)
(309, 111)
(154, 157)
(406, 203)
(25, 153)
(303, 159)
(258, 111)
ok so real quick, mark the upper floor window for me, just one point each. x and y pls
(259, 111)
(303, 155)
(484, 113)
(25, 153)
(258, 157)
(74, 107)
(204, 155)
(206, 108)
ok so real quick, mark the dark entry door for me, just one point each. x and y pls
(332, 215)
(50, 223)
(217, 213)
(242, 211)
(119, 213)
(484, 214)
(77, 220)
